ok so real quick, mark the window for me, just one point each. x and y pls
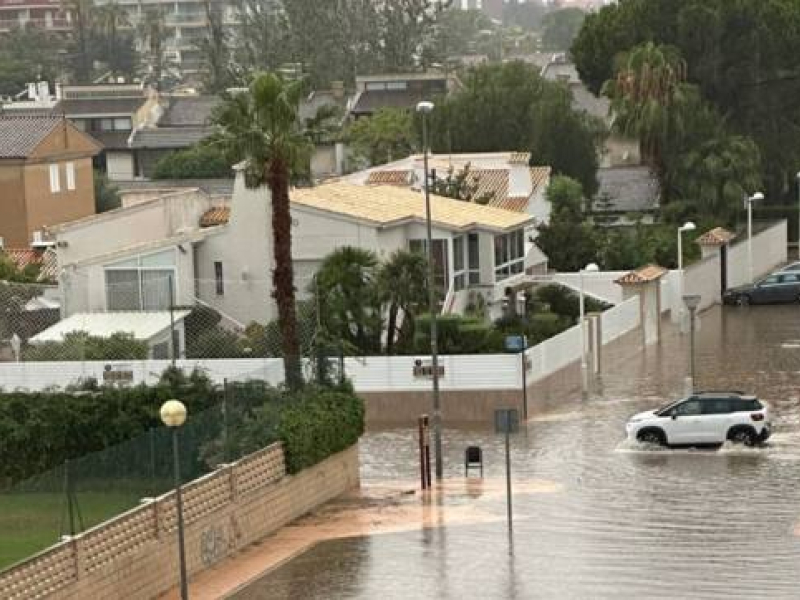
(440, 263)
(141, 283)
(396, 85)
(688, 408)
(789, 278)
(509, 254)
(70, 175)
(55, 183)
(770, 280)
(717, 406)
(473, 259)
(218, 278)
(459, 276)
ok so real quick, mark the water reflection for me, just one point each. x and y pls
(628, 521)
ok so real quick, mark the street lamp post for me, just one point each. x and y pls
(750, 199)
(688, 226)
(424, 108)
(590, 268)
(692, 302)
(173, 414)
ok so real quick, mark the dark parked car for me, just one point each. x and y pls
(778, 288)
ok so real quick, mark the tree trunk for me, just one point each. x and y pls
(391, 328)
(283, 275)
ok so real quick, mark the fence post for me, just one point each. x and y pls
(171, 323)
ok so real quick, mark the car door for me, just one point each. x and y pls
(717, 418)
(767, 291)
(685, 423)
(789, 287)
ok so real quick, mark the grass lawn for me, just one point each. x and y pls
(31, 522)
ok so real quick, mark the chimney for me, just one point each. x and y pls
(32, 91)
(44, 91)
(519, 180)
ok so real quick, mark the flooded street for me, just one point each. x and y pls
(620, 520)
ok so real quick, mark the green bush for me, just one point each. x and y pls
(457, 335)
(79, 345)
(40, 430)
(566, 303)
(317, 423)
(200, 162)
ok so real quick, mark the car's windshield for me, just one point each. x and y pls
(667, 407)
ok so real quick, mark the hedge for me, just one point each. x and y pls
(319, 423)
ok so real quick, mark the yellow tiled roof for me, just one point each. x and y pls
(516, 204)
(385, 205)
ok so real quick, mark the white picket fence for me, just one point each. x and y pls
(369, 374)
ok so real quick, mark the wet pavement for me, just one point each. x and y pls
(595, 517)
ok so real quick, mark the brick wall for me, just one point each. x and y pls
(135, 555)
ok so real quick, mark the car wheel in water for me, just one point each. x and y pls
(652, 437)
(745, 437)
(743, 300)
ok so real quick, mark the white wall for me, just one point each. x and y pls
(600, 284)
(369, 374)
(769, 251)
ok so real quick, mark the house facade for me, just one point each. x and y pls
(45, 176)
(220, 255)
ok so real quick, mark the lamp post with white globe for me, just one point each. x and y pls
(173, 414)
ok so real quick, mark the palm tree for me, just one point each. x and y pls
(649, 86)
(345, 286)
(402, 282)
(261, 127)
(108, 18)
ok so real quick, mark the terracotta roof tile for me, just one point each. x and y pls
(516, 204)
(520, 158)
(389, 178)
(715, 237)
(219, 215)
(45, 260)
(644, 274)
(19, 136)
(540, 176)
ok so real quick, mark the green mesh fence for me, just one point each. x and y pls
(83, 492)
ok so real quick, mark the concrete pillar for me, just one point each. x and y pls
(595, 321)
(646, 284)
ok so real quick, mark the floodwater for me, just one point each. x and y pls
(623, 521)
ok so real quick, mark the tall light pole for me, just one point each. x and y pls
(173, 414)
(424, 108)
(692, 302)
(590, 268)
(688, 226)
(750, 199)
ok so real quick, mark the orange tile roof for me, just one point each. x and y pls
(218, 215)
(45, 260)
(644, 274)
(491, 183)
(716, 237)
(389, 178)
(540, 176)
(520, 158)
(514, 203)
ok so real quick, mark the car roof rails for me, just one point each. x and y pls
(735, 392)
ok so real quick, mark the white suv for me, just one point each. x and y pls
(704, 418)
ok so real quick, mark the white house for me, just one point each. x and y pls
(220, 255)
(504, 178)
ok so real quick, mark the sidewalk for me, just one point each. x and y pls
(371, 510)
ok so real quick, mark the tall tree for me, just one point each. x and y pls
(402, 284)
(81, 59)
(111, 46)
(156, 68)
(560, 28)
(646, 96)
(262, 127)
(215, 50)
(385, 136)
(262, 43)
(566, 140)
(345, 285)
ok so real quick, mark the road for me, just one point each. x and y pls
(620, 521)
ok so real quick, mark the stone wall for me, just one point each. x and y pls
(136, 554)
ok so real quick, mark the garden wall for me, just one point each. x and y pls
(135, 555)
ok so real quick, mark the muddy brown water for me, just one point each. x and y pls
(628, 522)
